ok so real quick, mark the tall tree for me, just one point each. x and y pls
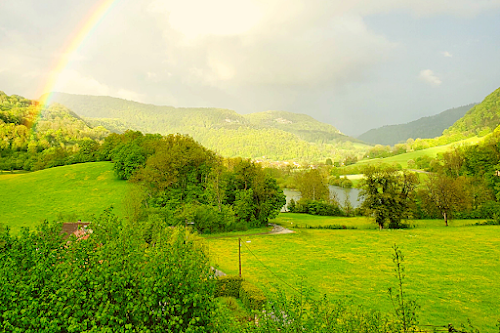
(445, 194)
(313, 185)
(387, 194)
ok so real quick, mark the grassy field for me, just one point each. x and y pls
(292, 220)
(431, 152)
(78, 191)
(452, 272)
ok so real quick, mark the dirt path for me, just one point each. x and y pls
(278, 230)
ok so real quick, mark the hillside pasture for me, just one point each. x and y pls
(432, 152)
(78, 191)
(452, 272)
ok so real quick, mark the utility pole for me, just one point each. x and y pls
(239, 253)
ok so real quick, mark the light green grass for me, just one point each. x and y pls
(293, 220)
(240, 232)
(402, 159)
(80, 190)
(452, 272)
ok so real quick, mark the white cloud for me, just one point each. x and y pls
(130, 95)
(194, 18)
(428, 76)
(71, 81)
(447, 54)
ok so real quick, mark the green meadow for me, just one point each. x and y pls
(76, 191)
(452, 272)
(402, 159)
(301, 221)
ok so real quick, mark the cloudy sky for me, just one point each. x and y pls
(355, 64)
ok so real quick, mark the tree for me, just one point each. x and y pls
(313, 185)
(387, 194)
(445, 194)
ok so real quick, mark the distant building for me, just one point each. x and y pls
(80, 229)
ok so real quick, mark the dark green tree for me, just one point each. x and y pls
(387, 194)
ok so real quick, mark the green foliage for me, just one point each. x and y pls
(343, 182)
(185, 183)
(313, 184)
(228, 285)
(272, 135)
(405, 309)
(316, 207)
(127, 159)
(485, 115)
(300, 314)
(104, 283)
(252, 296)
(33, 138)
(387, 194)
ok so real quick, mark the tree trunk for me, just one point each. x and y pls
(445, 219)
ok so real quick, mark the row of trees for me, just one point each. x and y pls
(179, 181)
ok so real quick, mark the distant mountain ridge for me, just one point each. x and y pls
(277, 135)
(424, 128)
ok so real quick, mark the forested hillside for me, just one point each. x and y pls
(424, 128)
(483, 117)
(33, 139)
(276, 135)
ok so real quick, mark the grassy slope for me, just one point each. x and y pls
(80, 189)
(452, 272)
(431, 152)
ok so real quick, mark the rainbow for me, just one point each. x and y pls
(82, 32)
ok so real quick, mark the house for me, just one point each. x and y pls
(80, 229)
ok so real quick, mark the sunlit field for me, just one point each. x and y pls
(431, 152)
(78, 191)
(292, 220)
(452, 272)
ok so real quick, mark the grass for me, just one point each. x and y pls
(78, 191)
(239, 233)
(431, 152)
(452, 272)
(293, 220)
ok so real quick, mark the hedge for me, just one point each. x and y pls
(228, 285)
(232, 285)
(251, 296)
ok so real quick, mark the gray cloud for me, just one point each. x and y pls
(340, 61)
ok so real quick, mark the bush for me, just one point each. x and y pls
(251, 296)
(316, 207)
(228, 285)
(108, 281)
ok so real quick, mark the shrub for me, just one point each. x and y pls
(317, 207)
(251, 296)
(228, 285)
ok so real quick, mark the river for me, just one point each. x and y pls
(335, 191)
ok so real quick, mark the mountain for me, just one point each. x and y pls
(425, 127)
(482, 117)
(23, 124)
(275, 135)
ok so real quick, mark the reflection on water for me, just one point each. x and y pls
(337, 191)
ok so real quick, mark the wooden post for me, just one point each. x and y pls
(239, 253)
